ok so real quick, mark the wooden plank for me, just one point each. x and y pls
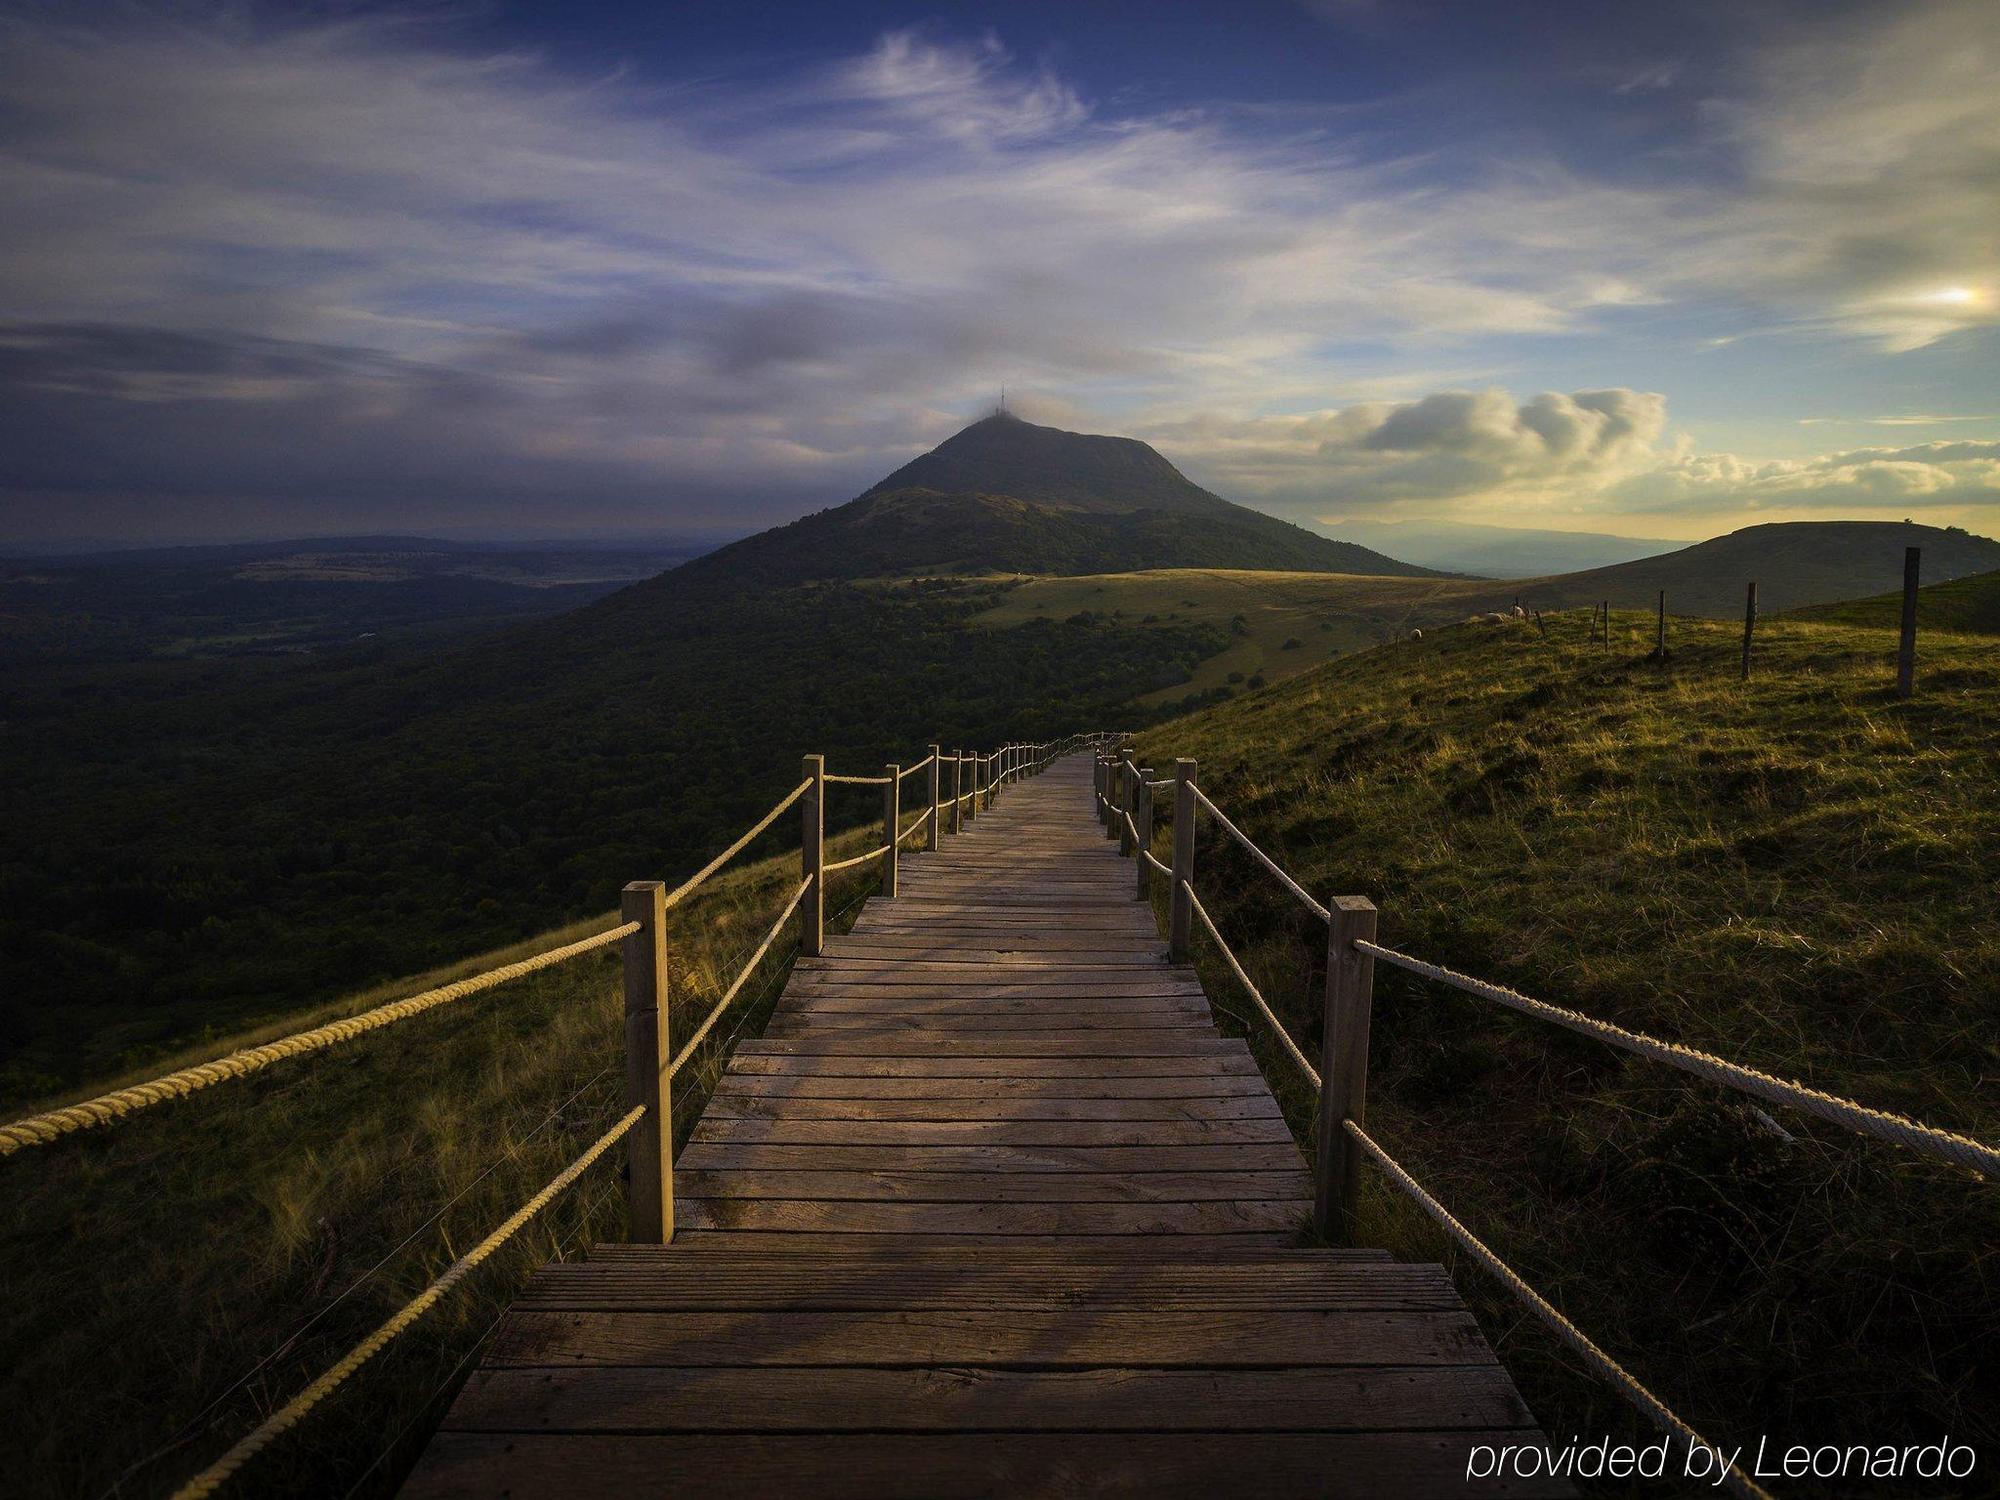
(997, 1067)
(792, 1022)
(1127, 1133)
(771, 1086)
(736, 1106)
(841, 1216)
(761, 1400)
(999, 1187)
(721, 1156)
(1135, 1247)
(1168, 1338)
(910, 1466)
(892, 1042)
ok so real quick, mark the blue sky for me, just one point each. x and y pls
(1658, 269)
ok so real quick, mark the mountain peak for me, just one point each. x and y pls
(1002, 454)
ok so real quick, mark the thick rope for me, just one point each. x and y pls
(917, 820)
(859, 859)
(1947, 1145)
(858, 780)
(1616, 1374)
(922, 765)
(687, 1047)
(1258, 854)
(39, 1130)
(1243, 979)
(1160, 865)
(209, 1480)
(674, 896)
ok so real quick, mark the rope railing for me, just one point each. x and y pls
(1351, 928)
(210, 1479)
(1258, 854)
(833, 866)
(1250, 988)
(39, 1130)
(1627, 1384)
(678, 892)
(1946, 1145)
(646, 904)
(742, 977)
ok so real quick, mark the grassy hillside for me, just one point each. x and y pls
(1965, 606)
(1796, 873)
(152, 1265)
(1275, 624)
(1794, 563)
(196, 845)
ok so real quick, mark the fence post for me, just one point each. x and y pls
(972, 786)
(1128, 805)
(1343, 1066)
(812, 858)
(1749, 628)
(957, 791)
(649, 1185)
(1660, 640)
(937, 765)
(1142, 818)
(892, 816)
(1906, 651)
(1181, 927)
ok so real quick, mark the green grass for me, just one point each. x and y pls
(1277, 624)
(1796, 873)
(152, 1264)
(1965, 606)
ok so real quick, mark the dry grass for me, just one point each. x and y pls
(1796, 873)
(151, 1266)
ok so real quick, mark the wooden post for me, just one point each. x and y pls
(649, 1148)
(972, 786)
(892, 818)
(1749, 628)
(1343, 1067)
(812, 858)
(1539, 625)
(937, 766)
(1142, 818)
(1128, 809)
(1607, 623)
(1097, 784)
(1660, 637)
(1906, 651)
(1181, 927)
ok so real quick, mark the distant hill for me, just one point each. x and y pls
(302, 596)
(1794, 563)
(1005, 495)
(1965, 606)
(1499, 551)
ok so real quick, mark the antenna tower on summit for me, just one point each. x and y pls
(1003, 399)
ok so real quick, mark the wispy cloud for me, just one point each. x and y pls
(360, 263)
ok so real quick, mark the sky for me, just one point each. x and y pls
(1658, 269)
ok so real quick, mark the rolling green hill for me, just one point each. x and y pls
(1965, 606)
(1795, 873)
(1794, 563)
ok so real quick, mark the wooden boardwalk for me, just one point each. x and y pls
(990, 1209)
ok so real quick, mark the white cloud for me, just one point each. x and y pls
(229, 243)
